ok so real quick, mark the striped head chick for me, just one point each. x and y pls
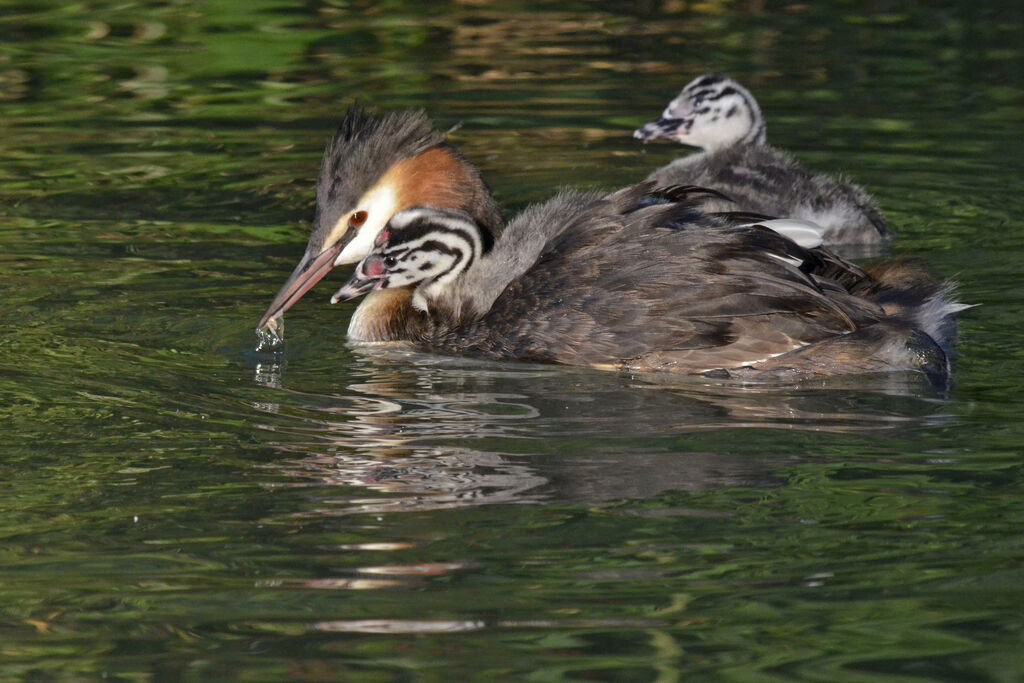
(425, 248)
(712, 112)
(374, 167)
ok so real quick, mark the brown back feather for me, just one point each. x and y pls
(634, 275)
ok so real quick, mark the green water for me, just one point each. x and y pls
(177, 506)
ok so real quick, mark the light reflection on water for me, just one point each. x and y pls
(425, 627)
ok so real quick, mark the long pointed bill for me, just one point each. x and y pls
(309, 272)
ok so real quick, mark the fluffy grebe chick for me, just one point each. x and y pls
(642, 280)
(721, 117)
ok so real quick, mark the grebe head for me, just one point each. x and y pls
(711, 112)
(422, 247)
(374, 167)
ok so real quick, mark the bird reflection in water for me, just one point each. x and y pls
(421, 432)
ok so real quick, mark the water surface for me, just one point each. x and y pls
(179, 506)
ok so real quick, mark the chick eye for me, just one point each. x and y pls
(390, 261)
(357, 218)
(697, 101)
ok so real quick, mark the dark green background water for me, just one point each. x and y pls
(175, 506)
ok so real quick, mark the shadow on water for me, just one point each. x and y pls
(419, 432)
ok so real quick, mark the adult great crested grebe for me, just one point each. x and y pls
(720, 116)
(641, 280)
(644, 278)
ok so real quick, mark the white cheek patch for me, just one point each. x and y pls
(734, 128)
(379, 204)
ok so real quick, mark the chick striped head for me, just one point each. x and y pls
(424, 248)
(711, 112)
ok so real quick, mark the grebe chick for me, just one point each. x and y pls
(721, 117)
(642, 280)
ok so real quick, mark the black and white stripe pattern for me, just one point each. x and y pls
(711, 112)
(715, 98)
(429, 248)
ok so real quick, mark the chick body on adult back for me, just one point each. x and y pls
(723, 119)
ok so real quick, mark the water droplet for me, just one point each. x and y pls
(271, 335)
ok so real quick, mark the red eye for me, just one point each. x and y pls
(357, 218)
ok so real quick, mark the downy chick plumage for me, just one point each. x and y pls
(722, 118)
